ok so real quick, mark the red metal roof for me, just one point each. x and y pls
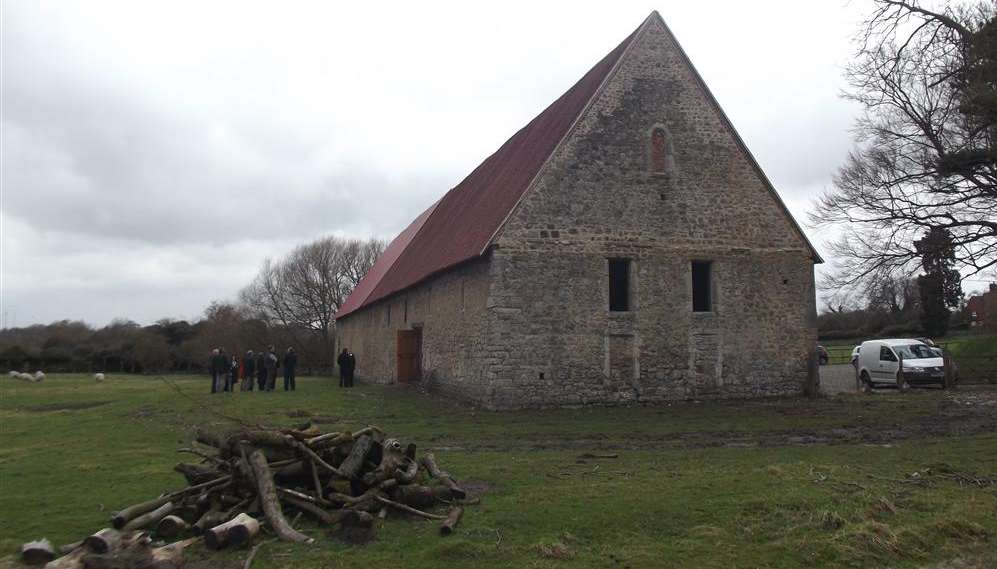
(460, 226)
(383, 264)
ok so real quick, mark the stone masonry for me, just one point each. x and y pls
(528, 323)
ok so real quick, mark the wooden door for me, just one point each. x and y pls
(409, 354)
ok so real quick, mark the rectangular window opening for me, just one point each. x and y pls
(702, 297)
(619, 285)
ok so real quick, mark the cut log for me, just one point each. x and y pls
(408, 509)
(209, 438)
(208, 520)
(317, 460)
(451, 521)
(429, 461)
(196, 473)
(419, 496)
(104, 541)
(351, 467)
(70, 547)
(171, 526)
(407, 474)
(239, 530)
(269, 501)
(73, 560)
(324, 516)
(171, 555)
(124, 516)
(37, 552)
(150, 518)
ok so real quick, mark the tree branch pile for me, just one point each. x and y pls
(255, 480)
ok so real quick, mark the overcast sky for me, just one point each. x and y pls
(154, 153)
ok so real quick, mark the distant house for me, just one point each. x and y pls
(982, 310)
(623, 246)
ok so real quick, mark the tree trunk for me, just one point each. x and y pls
(269, 501)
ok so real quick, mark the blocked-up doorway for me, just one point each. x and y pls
(409, 354)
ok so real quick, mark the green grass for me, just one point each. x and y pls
(72, 451)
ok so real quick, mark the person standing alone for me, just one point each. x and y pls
(290, 363)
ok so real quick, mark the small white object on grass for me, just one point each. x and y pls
(98, 376)
(26, 376)
(13, 373)
(39, 375)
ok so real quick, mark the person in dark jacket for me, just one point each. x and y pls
(352, 362)
(290, 363)
(213, 370)
(343, 362)
(271, 363)
(248, 371)
(261, 370)
(219, 370)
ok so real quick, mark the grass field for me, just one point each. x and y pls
(783, 483)
(971, 349)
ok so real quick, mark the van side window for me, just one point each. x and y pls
(886, 355)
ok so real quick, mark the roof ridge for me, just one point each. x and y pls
(567, 133)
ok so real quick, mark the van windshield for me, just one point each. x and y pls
(914, 351)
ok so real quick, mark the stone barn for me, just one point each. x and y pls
(622, 247)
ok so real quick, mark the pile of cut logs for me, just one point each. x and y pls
(255, 478)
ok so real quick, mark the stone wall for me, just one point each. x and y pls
(450, 309)
(598, 199)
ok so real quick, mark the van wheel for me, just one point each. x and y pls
(866, 383)
(902, 384)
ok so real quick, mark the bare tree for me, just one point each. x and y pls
(926, 155)
(304, 290)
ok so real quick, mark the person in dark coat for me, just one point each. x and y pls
(213, 370)
(290, 363)
(271, 363)
(219, 370)
(343, 362)
(248, 371)
(352, 362)
(261, 370)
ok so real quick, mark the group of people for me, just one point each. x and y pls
(254, 369)
(262, 367)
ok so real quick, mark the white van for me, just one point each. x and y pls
(879, 363)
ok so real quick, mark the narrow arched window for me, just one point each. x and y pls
(659, 151)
